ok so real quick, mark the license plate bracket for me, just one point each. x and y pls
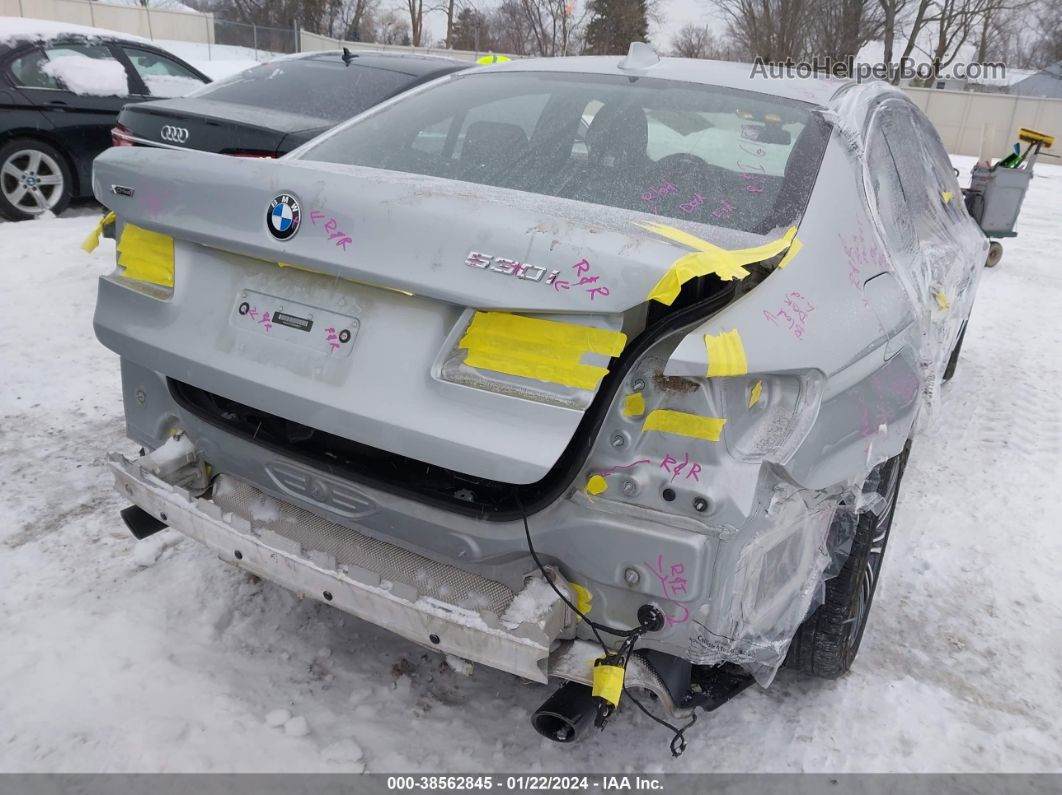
(321, 330)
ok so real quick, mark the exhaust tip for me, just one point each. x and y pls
(141, 523)
(564, 715)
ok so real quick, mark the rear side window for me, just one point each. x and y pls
(910, 185)
(887, 194)
(88, 69)
(310, 87)
(679, 150)
(27, 70)
(164, 77)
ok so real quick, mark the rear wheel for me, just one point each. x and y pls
(953, 361)
(826, 644)
(34, 179)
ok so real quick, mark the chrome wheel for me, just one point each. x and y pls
(31, 181)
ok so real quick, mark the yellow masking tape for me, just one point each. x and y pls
(634, 405)
(582, 599)
(545, 350)
(942, 300)
(608, 683)
(726, 354)
(684, 424)
(146, 256)
(93, 240)
(755, 393)
(946, 196)
(793, 251)
(708, 258)
(595, 485)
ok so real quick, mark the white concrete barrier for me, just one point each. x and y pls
(153, 23)
(972, 123)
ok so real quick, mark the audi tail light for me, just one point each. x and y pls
(121, 136)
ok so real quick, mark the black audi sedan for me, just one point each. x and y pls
(61, 88)
(269, 109)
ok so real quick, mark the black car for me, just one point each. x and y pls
(268, 110)
(59, 98)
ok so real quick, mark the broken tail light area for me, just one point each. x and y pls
(145, 259)
(559, 360)
(688, 451)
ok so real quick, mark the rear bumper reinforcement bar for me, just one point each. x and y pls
(533, 650)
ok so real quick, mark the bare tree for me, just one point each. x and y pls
(416, 20)
(891, 12)
(950, 27)
(923, 14)
(769, 29)
(391, 28)
(554, 25)
(1002, 22)
(1045, 45)
(842, 27)
(355, 13)
(696, 42)
(510, 30)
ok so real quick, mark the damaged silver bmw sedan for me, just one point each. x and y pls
(594, 369)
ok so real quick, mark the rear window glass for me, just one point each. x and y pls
(309, 87)
(680, 150)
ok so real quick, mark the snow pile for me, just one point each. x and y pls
(96, 77)
(531, 604)
(170, 85)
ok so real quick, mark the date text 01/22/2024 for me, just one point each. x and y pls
(531, 783)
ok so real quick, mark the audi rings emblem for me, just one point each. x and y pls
(175, 135)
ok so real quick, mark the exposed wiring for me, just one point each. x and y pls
(630, 638)
(594, 626)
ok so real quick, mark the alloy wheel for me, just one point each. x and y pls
(31, 181)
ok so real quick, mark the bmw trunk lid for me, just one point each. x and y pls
(454, 324)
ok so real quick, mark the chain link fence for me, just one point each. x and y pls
(259, 38)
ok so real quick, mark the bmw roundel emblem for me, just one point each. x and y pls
(283, 216)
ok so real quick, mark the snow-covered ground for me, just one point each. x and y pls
(155, 656)
(216, 61)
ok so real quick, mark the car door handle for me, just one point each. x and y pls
(57, 103)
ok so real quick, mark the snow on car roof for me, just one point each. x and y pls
(727, 74)
(13, 29)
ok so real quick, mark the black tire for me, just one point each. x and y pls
(995, 254)
(953, 361)
(34, 178)
(826, 643)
